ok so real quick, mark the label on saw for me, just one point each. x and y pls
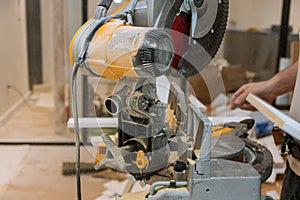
(220, 130)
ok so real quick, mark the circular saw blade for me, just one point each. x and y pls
(209, 36)
(213, 39)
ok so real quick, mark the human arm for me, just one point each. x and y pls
(268, 90)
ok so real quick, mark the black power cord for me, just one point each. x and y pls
(21, 95)
(77, 64)
(24, 100)
(76, 127)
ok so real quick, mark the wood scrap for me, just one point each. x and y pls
(69, 168)
(111, 174)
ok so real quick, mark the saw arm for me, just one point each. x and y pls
(203, 21)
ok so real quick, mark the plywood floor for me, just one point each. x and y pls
(32, 124)
(37, 174)
(34, 172)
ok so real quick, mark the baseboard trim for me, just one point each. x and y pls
(9, 113)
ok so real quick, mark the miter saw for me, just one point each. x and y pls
(165, 144)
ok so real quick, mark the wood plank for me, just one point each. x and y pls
(60, 63)
(294, 52)
(40, 176)
(11, 164)
(281, 120)
(294, 55)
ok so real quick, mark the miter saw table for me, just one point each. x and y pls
(202, 173)
(168, 145)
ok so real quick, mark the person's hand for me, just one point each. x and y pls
(260, 89)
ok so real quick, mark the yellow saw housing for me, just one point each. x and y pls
(118, 50)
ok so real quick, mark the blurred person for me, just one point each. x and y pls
(281, 83)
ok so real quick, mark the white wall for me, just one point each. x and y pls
(13, 52)
(244, 14)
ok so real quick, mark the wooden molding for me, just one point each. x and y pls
(281, 120)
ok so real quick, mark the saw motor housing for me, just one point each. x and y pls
(120, 50)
